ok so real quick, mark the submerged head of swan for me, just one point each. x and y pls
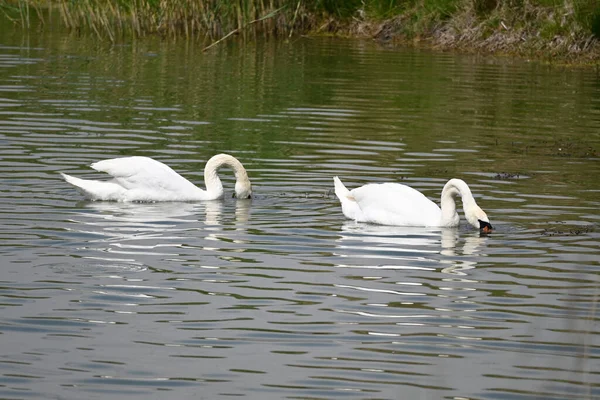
(243, 189)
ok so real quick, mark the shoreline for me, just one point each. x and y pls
(559, 35)
(504, 42)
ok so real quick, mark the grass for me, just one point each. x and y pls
(564, 29)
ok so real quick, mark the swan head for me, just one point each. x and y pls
(478, 218)
(243, 189)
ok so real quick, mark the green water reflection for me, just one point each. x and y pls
(278, 99)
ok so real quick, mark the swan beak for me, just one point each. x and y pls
(485, 227)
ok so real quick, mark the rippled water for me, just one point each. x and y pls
(280, 296)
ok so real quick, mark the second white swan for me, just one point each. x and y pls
(145, 179)
(398, 204)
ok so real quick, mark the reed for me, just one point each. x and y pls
(213, 18)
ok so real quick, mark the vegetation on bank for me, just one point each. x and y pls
(562, 29)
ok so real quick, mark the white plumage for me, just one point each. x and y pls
(398, 204)
(145, 179)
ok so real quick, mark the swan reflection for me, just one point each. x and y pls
(400, 236)
(122, 233)
(158, 217)
(409, 247)
(136, 221)
(472, 246)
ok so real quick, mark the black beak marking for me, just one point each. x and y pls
(485, 226)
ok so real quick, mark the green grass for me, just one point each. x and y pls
(587, 13)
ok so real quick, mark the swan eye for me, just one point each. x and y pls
(484, 226)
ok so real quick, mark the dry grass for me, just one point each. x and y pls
(545, 32)
(550, 33)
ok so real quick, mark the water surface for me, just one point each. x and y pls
(280, 296)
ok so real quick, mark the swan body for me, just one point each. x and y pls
(148, 180)
(401, 205)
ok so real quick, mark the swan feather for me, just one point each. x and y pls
(395, 204)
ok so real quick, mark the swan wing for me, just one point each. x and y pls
(396, 204)
(147, 179)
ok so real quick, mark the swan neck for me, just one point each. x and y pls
(452, 189)
(458, 187)
(448, 207)
(211, 177)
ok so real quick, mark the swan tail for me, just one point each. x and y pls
(96, 190)
(340, 190)
(350, 207)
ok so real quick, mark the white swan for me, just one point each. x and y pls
(145, 179)
(397, 204)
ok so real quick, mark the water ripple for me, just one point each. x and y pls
(280, 296)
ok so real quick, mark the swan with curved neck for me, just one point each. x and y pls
(398, 204)
(145, 179)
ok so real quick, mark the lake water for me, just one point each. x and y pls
(280, 296)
